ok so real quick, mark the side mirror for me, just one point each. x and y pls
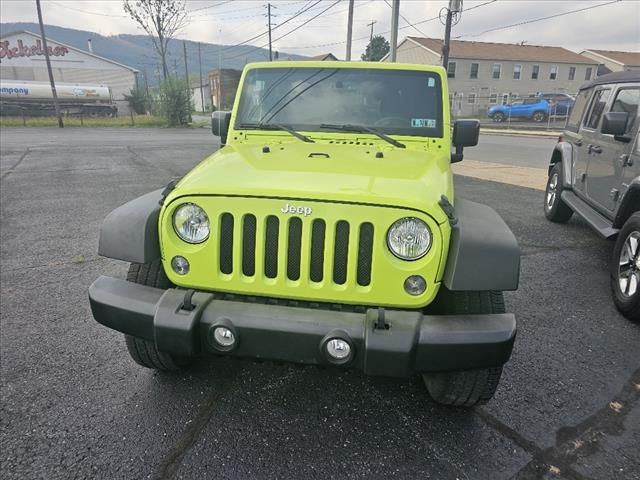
(614, 123)
(220, 125)
(465, 134)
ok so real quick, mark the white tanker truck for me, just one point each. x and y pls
(30, 98)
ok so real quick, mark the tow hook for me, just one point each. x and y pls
(187, 303)
(380, 322)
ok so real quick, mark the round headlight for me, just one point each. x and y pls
(409, 238)
(191, 223)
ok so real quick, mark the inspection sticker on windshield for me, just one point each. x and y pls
(423, 123)
(431, 82)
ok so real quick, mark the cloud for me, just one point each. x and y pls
(613, 27)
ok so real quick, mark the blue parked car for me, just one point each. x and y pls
(535, 108)
(560, 103)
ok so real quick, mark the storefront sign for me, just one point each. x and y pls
(8, 51)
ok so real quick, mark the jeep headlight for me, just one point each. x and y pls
(409, 238)
(191, 223)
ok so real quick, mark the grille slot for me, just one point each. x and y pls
(226, 243)
(316, 270)
(341, 253)
(271, 247)
(249, 245)
(293, 254)
(365, 250)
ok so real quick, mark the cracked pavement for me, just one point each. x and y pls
(74, 405)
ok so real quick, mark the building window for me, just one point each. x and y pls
(496, 71)
(572, 73)
(474, 71)
(505, 98)
(535, 72)
(517, 70)
(553, 73)
(451, 70)
(471, 99)
(533, 95)
(451, 101)
(587, 74)
(493, 98)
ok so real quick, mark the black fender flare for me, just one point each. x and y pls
(629, 205)
(483, 252)
(130, 232)
(563, 153)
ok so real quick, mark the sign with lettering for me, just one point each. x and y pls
(9, 50)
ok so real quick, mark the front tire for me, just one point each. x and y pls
(554, 207)
(469, 387)
(144, 352)
(625, 271)
(498, 117)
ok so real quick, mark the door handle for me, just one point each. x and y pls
(626, 160)
(594, 149)
(578, 143)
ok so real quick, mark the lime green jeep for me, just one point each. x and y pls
(324, 231)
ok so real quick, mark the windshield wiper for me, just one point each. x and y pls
(363, 129)
(275, 126)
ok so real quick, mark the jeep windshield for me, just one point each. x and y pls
(391, 102)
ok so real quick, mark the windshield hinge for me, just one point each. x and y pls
(448, 209)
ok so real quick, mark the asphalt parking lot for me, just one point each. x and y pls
(74, 405)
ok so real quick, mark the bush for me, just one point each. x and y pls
(175, 102)
(138, 100)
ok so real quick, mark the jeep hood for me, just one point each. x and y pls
(409, 178)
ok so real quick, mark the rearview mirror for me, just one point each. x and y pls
(614, 123)
(220, 125)
(465, 134)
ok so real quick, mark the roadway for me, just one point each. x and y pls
(73, 404)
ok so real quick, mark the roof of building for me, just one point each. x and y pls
(325, 56)
(623, 58)
(629, 76)
(84, 52)
(503, 51)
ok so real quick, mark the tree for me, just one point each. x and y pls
(378, 47)
(161, 19)
(138, 100)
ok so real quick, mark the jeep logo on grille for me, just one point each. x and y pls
(306, 211)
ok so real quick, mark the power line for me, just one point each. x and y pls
(208, 7)
(88, 12)
(289, 32)
(525, 22)
(408, 22)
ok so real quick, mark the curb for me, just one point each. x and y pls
(520, 133)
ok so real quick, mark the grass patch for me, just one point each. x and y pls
(123, 122)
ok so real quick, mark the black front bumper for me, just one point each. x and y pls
(412, 342)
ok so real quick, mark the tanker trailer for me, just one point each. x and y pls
(36, 99)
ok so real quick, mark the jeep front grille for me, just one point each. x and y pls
(292, 240)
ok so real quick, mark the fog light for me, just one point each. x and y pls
(180, 265)
(415, 285)
(224, 337)
(338, 349)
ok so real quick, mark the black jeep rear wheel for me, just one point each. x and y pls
(143, 351)
(469, 387)
(625, 269)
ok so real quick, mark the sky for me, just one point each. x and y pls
(601, 25)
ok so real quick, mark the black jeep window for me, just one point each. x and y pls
(402, 102)
(578, 109)
(628, 100)
(597, 107)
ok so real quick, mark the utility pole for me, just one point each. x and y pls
(56, 104)
(349, 31)
(146, 80)
(269, 15)
(201, 90)
(455, 6)
(186, 75)
(371, 25)
(395, 14)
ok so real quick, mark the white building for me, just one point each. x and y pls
(481, 74)
(22, 59)
(612, 61)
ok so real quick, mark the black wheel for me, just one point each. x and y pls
(143, 351)
(625, 271)
(498, 117)
(538, 117)
(554, 207)
(469, 387)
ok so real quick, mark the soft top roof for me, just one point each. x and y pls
(616, 77)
